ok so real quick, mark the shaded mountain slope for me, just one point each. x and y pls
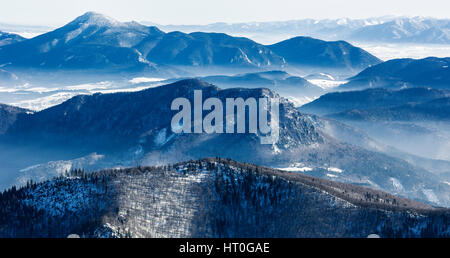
(312, 52)
(336, 102)
(434, 110)
(203, 49)
(400, 73)
(8, 115)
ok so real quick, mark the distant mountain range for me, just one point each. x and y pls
(210, 198)
(400, 73)
(26, 31)
(94, 41)
(406, 30)
(137, 125)
(379, 29)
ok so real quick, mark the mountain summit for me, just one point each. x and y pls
(93, 18)
(91, 41)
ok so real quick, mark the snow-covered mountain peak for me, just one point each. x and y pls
(96, 19)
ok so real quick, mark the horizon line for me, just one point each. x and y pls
(143, 22)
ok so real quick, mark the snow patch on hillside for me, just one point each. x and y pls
(297, 167)
(335, 170)
(137, 80)
(300, 101)
(431, 196)
(397, 184)
(326, 84)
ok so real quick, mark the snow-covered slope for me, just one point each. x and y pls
(211, 198)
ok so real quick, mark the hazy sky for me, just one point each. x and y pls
(58, 12)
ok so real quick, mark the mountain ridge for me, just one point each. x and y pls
(400, 73)
(96, 41)
(333, 54)
(213, 198)
(9, 38)
(336, 102)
